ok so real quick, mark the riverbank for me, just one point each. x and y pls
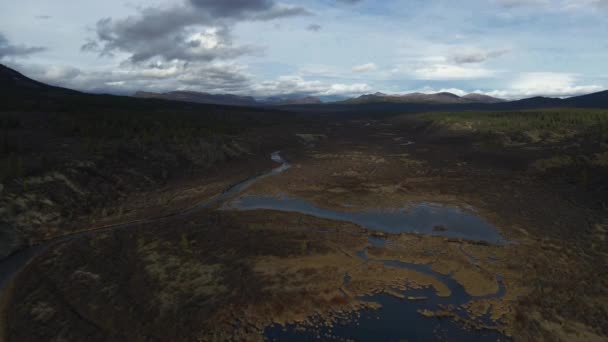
(222, 274)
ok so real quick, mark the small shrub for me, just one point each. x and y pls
(530, 126)
(600, 159)
(184, 242)
(555, 162)
(11, 167)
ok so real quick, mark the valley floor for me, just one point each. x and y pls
(219, 273)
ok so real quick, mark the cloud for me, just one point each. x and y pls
(365, 67)
(285, 85)
(237, 8)
(451, 72)
(601, 3)
(449, 62)
(549, 84)
(431, 90)
(577, 4)
(476, 56)
(61, 73)
(527, 85)
(214, 77)
(530, 84)
(349, 2)
(554, 4)
(521, 3)
(43, 17)
(194, 30)
(314, 27)
(10, 50)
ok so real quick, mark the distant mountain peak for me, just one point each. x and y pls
(200, 97)
(445, 93)
(292, 100)
(9, 76)
(436, 98)
(20, 91)
(476, 97)
(12, 81)
(228, 99)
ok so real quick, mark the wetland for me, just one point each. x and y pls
(330, 238)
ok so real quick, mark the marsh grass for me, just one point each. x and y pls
(546, 125)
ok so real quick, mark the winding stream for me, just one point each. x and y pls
(398, 318)
(10, 266)
(422, 218)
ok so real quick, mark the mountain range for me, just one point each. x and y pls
(228, 99)
(19, 91)
(237, 100)
(437, 98)
(197, 97)
(13, 83)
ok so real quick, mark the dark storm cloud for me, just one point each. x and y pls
(197, 30)
(232, 8)
(246, 9)
(170, 39)
(9, 50)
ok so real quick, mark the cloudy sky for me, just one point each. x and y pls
(506, 48)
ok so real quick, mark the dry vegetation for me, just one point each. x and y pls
(68, 170)
(219, 275)
(546, 126)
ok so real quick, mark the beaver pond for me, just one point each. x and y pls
(420, 270)
(400, 314)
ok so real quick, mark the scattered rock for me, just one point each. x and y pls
(379, 234)
(426, 313)
(42, 311)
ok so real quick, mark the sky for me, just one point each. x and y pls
(328, 48)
